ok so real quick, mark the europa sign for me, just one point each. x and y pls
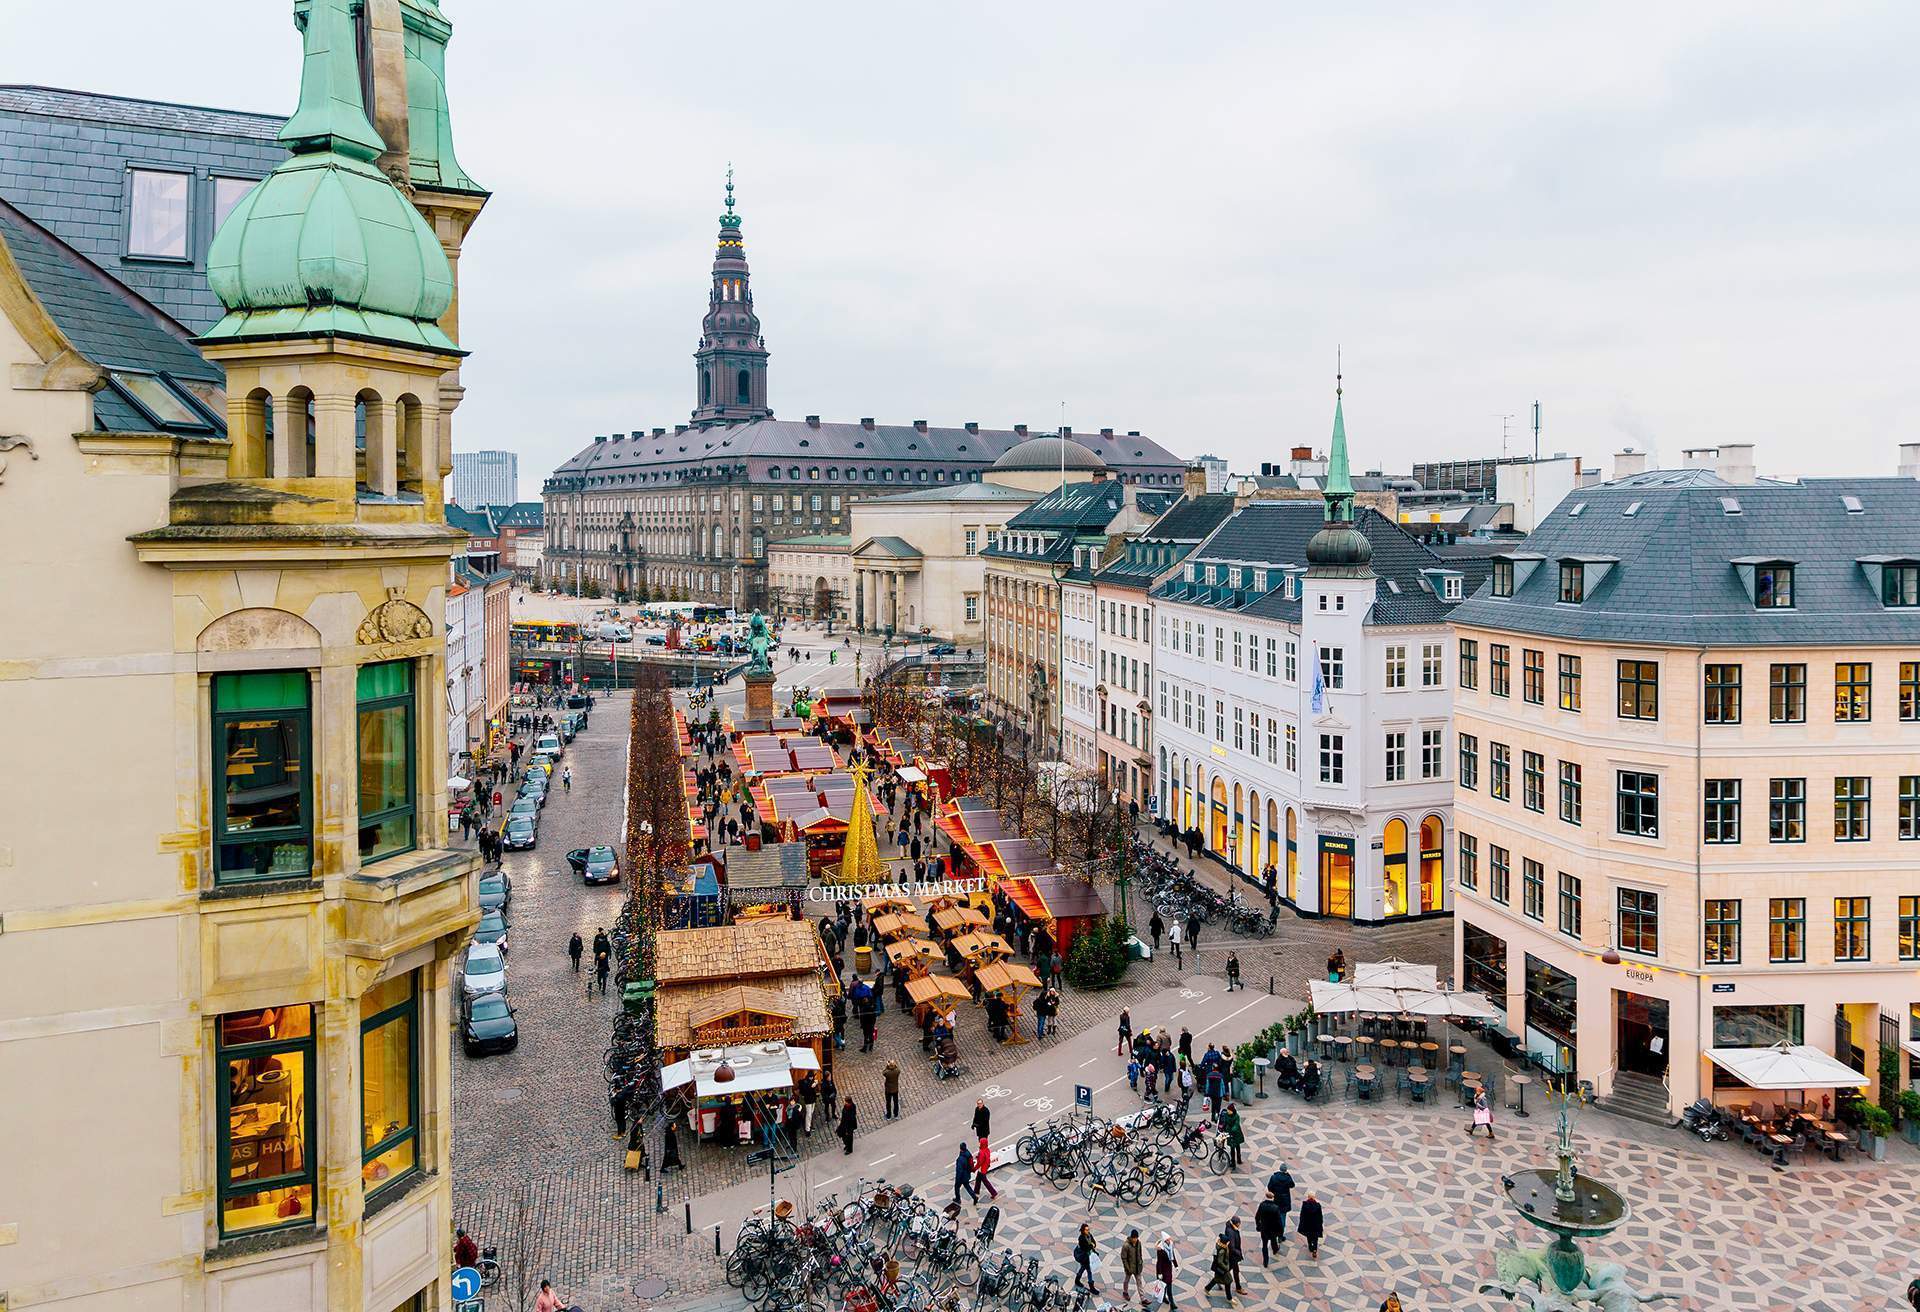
(861, 892)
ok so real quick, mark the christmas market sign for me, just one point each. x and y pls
(932, 888)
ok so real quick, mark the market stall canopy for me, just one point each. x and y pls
(1330, 998)
(936, 988)
(953, 920)
(911, 949)
(756, 1067)
(1068, 897)
(900, 925)
(908, 774)
(1396, 974)
(880, 906)
(1003, 975)
(1786, 1066)
(976, 945)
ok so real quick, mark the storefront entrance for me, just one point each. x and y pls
(1336, 877)
(1640, 1033)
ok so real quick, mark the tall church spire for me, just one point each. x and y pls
(731, 364)
(1339, 549)
(1339, 484)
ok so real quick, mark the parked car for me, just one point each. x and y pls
(524, 805)
(492, 929)
(485, 970)
(521, 834)
(548, 745)
(941, 649)
(488, 1025)
(496, 890)
(535, 786)
(595, 865)
(656, 640)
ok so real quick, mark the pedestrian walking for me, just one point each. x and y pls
(1125, 1034)
(1235, 1135)
(1222, 1271)
(1133, 1260)
(982, 1119)
(575, 949)
(619, 1099)
(1186, 1088)
(1193, 931)
(1280, 1185)
(1233, 972)
(983, 1163)
(963, 1175)
(1482, 1115)
(602, 965)
(1165, 1267)
(1235, 1252)
(890, 1078)
(849, 1122)
(1271, 1223)
(806, 1095)
(1313, 1223)
(1173, 945)
(1085, 1253)
(566, 779)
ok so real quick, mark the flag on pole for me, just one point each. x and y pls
(1319, 688)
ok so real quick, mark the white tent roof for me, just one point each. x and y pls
(1396, 974)
(756, 1067)
(1786, 1066)
(1912, 1046)
(1329, 998)
(908, 774)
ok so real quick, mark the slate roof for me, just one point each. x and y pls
(1069, 513)
(477, 523)
(94, 107)
(111, 325)
(1273, 534)
(889, 545)
(521, 514)
(958, 492)
(1676, 581)
(1191, 519)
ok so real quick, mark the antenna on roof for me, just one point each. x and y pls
(1536, 432)
(1337, 370)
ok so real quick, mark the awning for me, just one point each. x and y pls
(756, 1067)
(1786, 1066)
(908, 774)
(1330, 998)
(1912, 1047)
(1396, 974)
(1026, 897)
(936, 988)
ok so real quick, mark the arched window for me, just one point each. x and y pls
(706, 387)
(1433, 884)
(1273, 834)
(1293, 855)
(744, 386)
(1393, 875)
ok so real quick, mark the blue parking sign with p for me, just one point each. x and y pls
(1082, 1096)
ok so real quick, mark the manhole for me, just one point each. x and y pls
(511, 1093)
(650, 1287)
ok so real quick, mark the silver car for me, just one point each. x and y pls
(485, 970)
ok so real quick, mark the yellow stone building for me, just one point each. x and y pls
(229, 912)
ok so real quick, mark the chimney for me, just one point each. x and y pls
(1106, 432)
(1133, 432)
(1736, 462)
(1909, 460)
(1628, 463)
(599, 437)
(813, 421)
(1193, 481)
(619, 437)
(1698, 457)
(1021, 429)
(919, 425)
(659, 432)
(972, 426)
(867, 423)
(1301, 453)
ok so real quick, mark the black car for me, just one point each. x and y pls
(942, 649)
(488, 1025)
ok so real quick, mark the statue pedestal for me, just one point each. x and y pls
(759, 694)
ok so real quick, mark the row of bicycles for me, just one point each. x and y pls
(1134, 1159)
(1179, 896)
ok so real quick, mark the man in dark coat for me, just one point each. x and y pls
(1313, 1223)
(850, 1121)
(1280, 1185)
(982, 1119)
(1235, 1251)
(1271, 1222)
(963, 1175)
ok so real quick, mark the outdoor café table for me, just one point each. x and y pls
(1417, 1081)
(1326, 1046)
(1428, 1049)
(1365, 1044)
(1365, 1074)
(1344, 1043)
(1387, 1049)
(1520, 1082)
(1469, 1087)
(1457, 1054)
(1836, 1141)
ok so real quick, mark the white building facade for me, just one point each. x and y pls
(1078, 653)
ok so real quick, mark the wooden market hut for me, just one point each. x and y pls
(756, 981)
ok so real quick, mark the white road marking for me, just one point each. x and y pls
(1178, 1014)
(829, 1180)
(924, 1142)
(1055, 1080)
(1088, 1062)
(876, 1161)
(1109, 1084)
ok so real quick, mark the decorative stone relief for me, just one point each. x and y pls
(8, 442)
(394, 620)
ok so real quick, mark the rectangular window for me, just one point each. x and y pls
(1533, 781)
(1723, 694)
(973, 615)
(1273, 665)
(1236, 649)
(389, 1083)
(1910, 930)
(1569, 904)
(1900, 585)
(1573, 582)
(1333, 758)
(1219, 721)
(228, 192)
(1469, 861)
(1851, 940)
(1500, 684)
(1469, 760)
(157, 215)
(1852, 799)
(1333, 667)
(972, 547)
(1533, 889)
(1469, 663)
(1503, 578)
(1722, 811)
(1723, 932)
(1533, 675)
(1639, 804)
(1431, 664)
(1273, 741)
(1852, 692)
(1570, 684)
(1219, 645)
(385, 697)
(1396, 666)
(1293, 661)
(1787, 929)
(1909, 807)
(1639, 921)
(1786, 810)
(1500, 778)
(1787, 694)
(1432, 743)
(264, 1086)
(1293, 748)
(1239, 729)
(1570, 792)
(263, 795)
(1639, 690)
(1396, 758)
(1910, 690)
(1499, 875)
(1773, 586)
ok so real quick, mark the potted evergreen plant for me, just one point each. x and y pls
(1242, 1072)
(1878, 1124)
(1910, 1113)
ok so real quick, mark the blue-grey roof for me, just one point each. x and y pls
(521, 514)
(958, 492)
(476, 523)
(1272, 535)
(1167, 541)
(888, 545)
(1679, 575)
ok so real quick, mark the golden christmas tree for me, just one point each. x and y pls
(860, 859)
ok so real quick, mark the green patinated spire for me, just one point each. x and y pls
(430, 157)
(1338, 488)
(332, 115)
(730, 219)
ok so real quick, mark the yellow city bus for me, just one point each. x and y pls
(544, 632)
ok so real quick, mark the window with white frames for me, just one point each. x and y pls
(1187, 720)
(1219, 645)
(1236, 649)
(1396, 757)
(1186, 630)
(1333, 758)
(1430, 747)
(1293, 661)
(1272, 663)
(1219, 721)
(1293, 748)
(1273, 741)
(1333, 667)
(1396, 666)
(1163, 698)
(1239, 730)
(1431, 666)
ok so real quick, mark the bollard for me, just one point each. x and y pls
(689, 1218)
(659, 1199)
(716, 1240)
(1269, 986)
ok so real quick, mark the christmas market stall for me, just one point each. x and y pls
(1004, 983)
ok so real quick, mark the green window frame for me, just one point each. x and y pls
(1469, 760)
(1469, 663)
(1852, 808)
(1570, 684)
(1787, 694)
(1570, 789)
(1533, 675)
(1852, 925)
(1533, 781)
(1723, 931)
(390, 1146)
(1910, 690)
(1910, 929)
(250, 1050)
(1900, 585)
(1723, 694)
(1852, 692)
(1787, 929)
(1721, 811)
(1469, 870)
(1639, 685)
(1500, 682)
(1500, 780)
(387, 753)
(1499, 874)
(262, 776)
(1909, 807)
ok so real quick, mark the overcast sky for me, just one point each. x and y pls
(1672, 224)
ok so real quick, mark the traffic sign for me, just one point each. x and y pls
(471, 1305)
(466, 1284)
(1082, 1096)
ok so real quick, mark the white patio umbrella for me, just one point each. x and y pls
(1330, 999)
(1396, 974)
(1786, 1066)
(456, 782)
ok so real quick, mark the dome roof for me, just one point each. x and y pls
(1339, 547)
(1047, 453)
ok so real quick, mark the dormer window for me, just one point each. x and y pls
(1213, 574)
(1190, 573)
(1450, 587)
(1503, 578)
(1900, 585)
(1573, 582)
(1773, 586)
(1259, 580)
(1233, 577)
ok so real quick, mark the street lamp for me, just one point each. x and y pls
(1611, 957)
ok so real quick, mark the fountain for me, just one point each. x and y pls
(1567, 1205)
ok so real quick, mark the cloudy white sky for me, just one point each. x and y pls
(1672, 224)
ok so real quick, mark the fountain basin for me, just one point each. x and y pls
(1595, 1208)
